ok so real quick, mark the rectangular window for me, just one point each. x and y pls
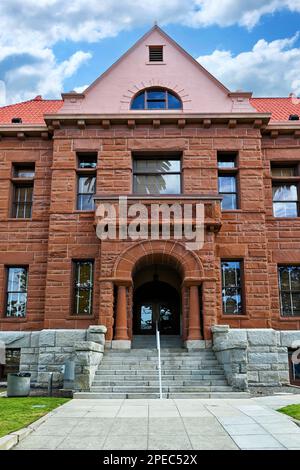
(86, 191)
(83, 287)
(86, 180)
(155, 53)
(87, 160)
(23, 176)
(227, 180)
(157, 176)
(231, 287)
(285, 189)
(289, 288)
(16, 292)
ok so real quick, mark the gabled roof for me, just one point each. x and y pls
(281, 108)
(31, 112)
(173, 42)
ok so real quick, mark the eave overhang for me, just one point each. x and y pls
(150, 118)
(25, 130)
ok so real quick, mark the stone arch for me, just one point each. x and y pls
(171, 253)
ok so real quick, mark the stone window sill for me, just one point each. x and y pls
(13, 319)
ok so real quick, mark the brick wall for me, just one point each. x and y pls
(58, 233)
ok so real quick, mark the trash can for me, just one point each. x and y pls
(18, 384)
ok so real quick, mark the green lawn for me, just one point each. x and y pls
(291, 410)
(17, 413)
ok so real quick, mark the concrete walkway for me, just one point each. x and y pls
(179, 424)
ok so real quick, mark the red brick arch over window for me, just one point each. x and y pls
(169, 253)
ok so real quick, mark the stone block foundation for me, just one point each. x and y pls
(48, 351)
(254, 357)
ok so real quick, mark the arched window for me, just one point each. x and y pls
(156, 98)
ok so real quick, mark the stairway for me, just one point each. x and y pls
(134, 374)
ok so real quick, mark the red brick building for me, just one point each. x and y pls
(155, 127)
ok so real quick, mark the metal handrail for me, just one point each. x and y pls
(159, 359)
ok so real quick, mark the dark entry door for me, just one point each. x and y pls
(156, 302)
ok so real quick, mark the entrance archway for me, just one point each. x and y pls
(172, 257)
(156, 301)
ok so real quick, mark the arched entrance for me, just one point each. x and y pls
(178, 274)
(156, 301)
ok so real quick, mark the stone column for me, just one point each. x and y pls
(194, 326)
(121, 339)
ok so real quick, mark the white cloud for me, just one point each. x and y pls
(30, 29)
(269, 69)
(243, 12)
(80, 89)
(41, 74)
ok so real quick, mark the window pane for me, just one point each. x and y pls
(87, 161)
(23, 202)
(17, 279)
(24, 172)
(146, 317)
(86, 184)
(226, 161)
(16, 292)
(16, 305)
(138, 102)
(295, 278)
(156, 95)
(83, 302)
(173, 102)
(289, 284)
(156, 166)
(285, 209)
(227, 184)
(286, 304)
(296, 304)
(83, 287)
(156, 184)
(231, 287)
(231, 274)
(284, 171)
(84, 274)
(85, 202)
(156, 104)
(284, 273)
(229, 202)
(232, 302)
(286, 192)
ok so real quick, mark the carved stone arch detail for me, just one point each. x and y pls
(171, 253)
(154, 82)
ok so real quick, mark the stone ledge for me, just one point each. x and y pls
(88, 346)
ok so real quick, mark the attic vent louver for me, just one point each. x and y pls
(155, 53)
(293, 117)
(16, 120)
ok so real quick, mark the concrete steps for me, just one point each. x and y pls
(134, 374)
(166, 341)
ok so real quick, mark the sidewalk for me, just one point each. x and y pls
(179, 424)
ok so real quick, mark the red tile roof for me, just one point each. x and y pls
(31, 112)
(280, 108)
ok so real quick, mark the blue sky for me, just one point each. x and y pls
(251, 45)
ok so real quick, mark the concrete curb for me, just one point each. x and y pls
(11, 440)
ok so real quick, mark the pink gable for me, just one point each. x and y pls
(113, 91)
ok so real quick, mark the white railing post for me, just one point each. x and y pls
(159, 360)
